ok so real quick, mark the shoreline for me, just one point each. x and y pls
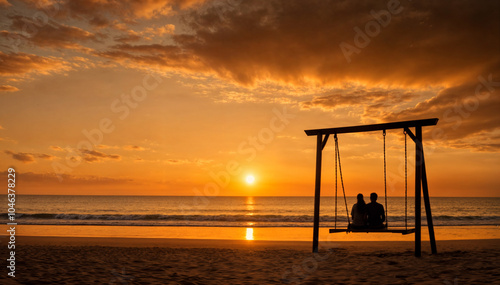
(249, 233)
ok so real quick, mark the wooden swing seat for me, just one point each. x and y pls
(403, 231)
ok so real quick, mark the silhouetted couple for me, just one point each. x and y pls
(371, 216)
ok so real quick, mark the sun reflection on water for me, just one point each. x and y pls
(249, 203)
(250, 206)
(249, 234)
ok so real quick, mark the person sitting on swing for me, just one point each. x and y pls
(375, 213)
(358, 213)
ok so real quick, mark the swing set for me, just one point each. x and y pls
(420, 179)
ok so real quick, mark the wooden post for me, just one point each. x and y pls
(317, 191)
(418, 188)
(427, 204)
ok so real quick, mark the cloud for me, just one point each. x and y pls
(131, 36)
(468, 115)
(468, 112)
(45, 156)
(97, 156)
(8, 88)
(21, 64)
(134, 147)
(32, 177)
(187, 161)
(297, 42)
(126, 147)
(148, 34)
(21, 156)
(177, 161)
(169, 57)
(52, 34)
(56, 148)
(100, 13)
(4, 3)
(103, 146)
(90, 155)
(293, 42)
(160, 31)
(26, 157)
(369, 99)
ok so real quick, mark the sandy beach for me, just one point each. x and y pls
(64, 260)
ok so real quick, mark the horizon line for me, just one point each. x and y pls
(241, 196)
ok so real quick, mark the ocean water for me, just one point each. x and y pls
(242, 212)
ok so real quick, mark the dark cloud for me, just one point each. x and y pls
(424, 43)
(468, 115)
(97, 156)
(147, 34)
(8, 88)
(133, 147)
(99, 13)
(51, 34)
(21, 156)
(427, 43)
(129, 37)
(99, 21)
(26, 157)
(369, 99)
(45, 156)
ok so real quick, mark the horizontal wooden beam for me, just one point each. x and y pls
(374, 127)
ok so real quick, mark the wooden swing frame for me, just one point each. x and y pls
(421, 186)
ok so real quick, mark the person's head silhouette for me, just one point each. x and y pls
(373, 197)
(360, 198)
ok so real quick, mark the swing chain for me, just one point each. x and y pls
(406, 181)
(341, 179)
(385, 183)
(336, 151)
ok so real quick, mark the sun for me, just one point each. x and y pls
(250, 179)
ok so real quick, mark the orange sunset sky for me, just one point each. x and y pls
(189, 97)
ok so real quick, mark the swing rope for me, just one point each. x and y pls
(385, 184)
(341, 179)
(406, 182)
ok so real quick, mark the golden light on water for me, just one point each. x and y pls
(249, 234)
(250, 206)
(249, 202)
